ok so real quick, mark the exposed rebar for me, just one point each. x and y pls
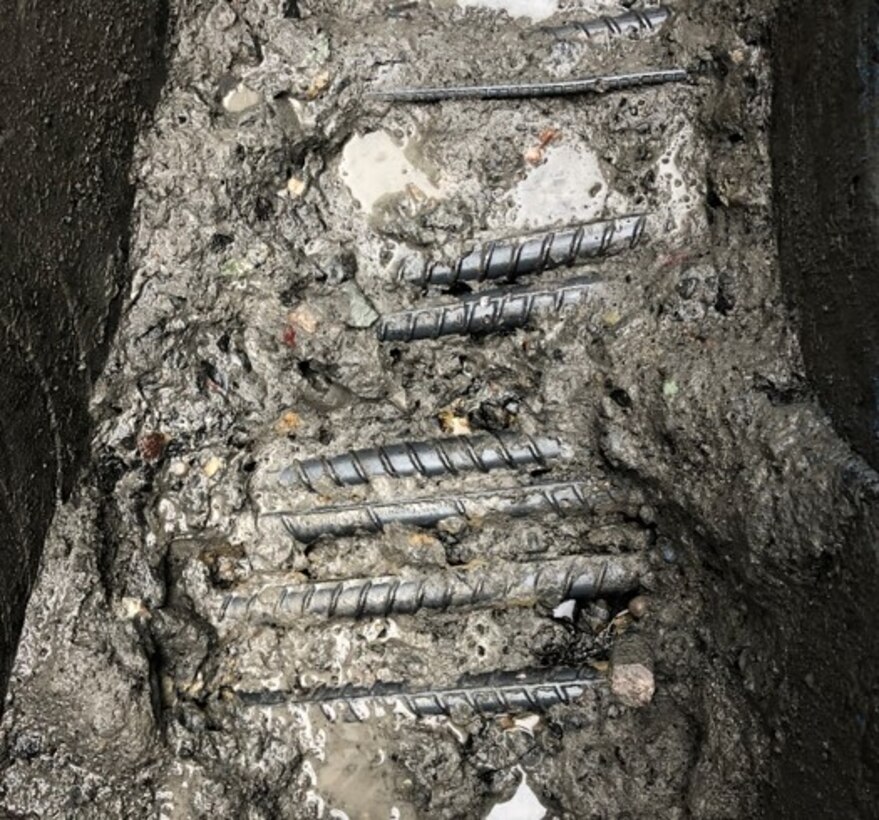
(559, 498)
(549, 581)
(431, 458)
(510, 259)
(632, 22)
(533, 690)
(482, 313)
(555, 88)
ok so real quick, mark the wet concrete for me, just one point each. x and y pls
(74, 83)
(247, 341)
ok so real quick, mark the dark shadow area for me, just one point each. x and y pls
(826, 174)
(77, 79)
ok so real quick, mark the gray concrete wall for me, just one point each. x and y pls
(75, 77)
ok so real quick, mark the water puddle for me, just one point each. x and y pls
(568, 187)
(523, 805)
(375, 165)
(535, 9)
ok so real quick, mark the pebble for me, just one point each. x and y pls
(638, 607)
(212, 466)
(178, 468)
(240, 99)
(633, 684)
(152, 446)
(288, 422)
(361, 314)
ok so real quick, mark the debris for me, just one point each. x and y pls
(288, 337)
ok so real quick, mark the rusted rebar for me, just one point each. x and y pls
(554, 88)
(547, 581)
(430, 459)
(560, 498)
(482, 313)
(533, 690)
(513, 258)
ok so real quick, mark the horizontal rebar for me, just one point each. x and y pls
(534, 254)
(559, 498)
(550, 581)
(482, 313)
(554, 88)
(431, 458)
(632, 22)
(533, 690)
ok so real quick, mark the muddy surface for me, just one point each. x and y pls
(275, 201)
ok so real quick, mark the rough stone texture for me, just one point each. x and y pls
(682, 380)
(74, 79)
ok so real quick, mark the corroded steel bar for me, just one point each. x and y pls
(552, 581)
(510, 259)
(632, 22)
(534, 690)
(482, 313)
(431, 458)
(560, 498)
(555, 88)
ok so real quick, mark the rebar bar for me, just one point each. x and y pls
(431, 458)
(554, 88)
(549, 581)
(632, 22)
(559, 498)
(532, 690)
(482, 313)
(534, 254)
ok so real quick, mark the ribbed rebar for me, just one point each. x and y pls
(632, 22)
(551, 581)
(482, 313)
(554, 88)
(511, 259)
(533, 690)
(431, 458)
(559, 498)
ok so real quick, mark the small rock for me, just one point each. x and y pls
(303, 318)
(221, 16)
(638, 607)
(212, 466)
(178, 468)
(152, 446)
(631, 675)
(240, 99)
(288, 423)
(450, 422)
(632, 684)
(295, 187)
(361, 314)
(318, 85)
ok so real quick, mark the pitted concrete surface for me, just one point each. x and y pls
(274, 203)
